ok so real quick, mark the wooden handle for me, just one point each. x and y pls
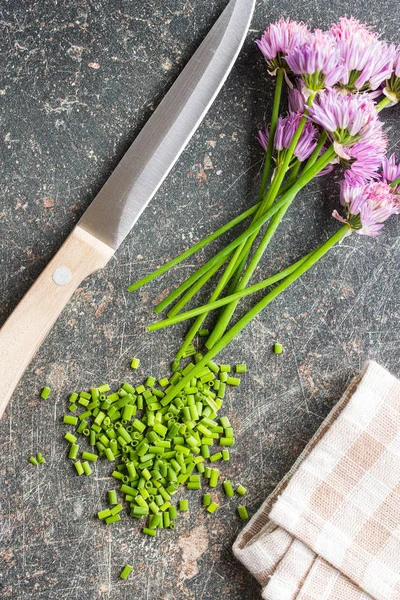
(27, 326)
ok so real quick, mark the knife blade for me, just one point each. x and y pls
(148, 161)
(125, 195)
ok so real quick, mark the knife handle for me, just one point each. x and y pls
(29, 323)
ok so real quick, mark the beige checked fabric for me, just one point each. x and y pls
(331, 529)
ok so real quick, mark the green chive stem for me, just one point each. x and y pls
(253, 312)
(193, 249)
(227, 313)
(206, 308)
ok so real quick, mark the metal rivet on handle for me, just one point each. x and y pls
(62, 276)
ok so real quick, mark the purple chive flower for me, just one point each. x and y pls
(367, 207)
(365, 159)
(296, 99)
(285, 130)
(367, 61)
(279, 39)
(317, 61)
(392, 89)
(390, 169)
(347, 117)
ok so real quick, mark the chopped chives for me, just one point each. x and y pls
(87, 468)
(112, 497)
(242, 511)
(278, 348)
(45, 393)
(241, 368)
(89, 456)
(135, 363)
(152, 532)
(157, 450)
(183, 505)
(79, 468)
(112, 519)
(212, 507)
(126, 571)
(40, 458)
(228, 489)
(33, 461)
(241, 490)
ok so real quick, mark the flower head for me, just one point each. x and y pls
(316, 61)
(367, 207)
(348, 118)
(392, 89)
(279, 39)
(390, 169)
(285, 131)
(296, 99)
(348, 27)
(365, 159)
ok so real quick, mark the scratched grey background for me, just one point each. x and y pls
(78, 80)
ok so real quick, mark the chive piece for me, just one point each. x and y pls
(126, 571)
(89, 456)
(150, 381)
(103, 514)
(233, 381)
(206, 500)
(73, 451)
(40, 458)
(79, 468)
(135, 363)
(225, 455)
(214, 478)
(33, 461)
(225, 441)
(241, 368)
(104, 388)
(173, 512)
(204, 332)
(163, 382)
(113, 519)
(87, 468)
(72, 408)
(243, 514)
(216, 456)
(278, 348)
(147, 531)
(112, 497)
(183, 505)
(45, 393)
(70, 420)
(212, 507)
(228, 489)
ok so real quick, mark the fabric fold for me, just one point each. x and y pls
(333, 523)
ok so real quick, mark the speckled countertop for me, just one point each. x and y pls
(78, 80)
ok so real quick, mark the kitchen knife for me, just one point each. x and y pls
(125, 195)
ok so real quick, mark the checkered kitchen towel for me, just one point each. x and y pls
(331, 529)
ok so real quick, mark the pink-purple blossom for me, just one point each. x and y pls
(285, 131)
(347, 117)
(365, 159)
(317, 61)
(392, 89)
(367, 207)
(279, 39)
(296, 100)
(390, 168)
(367, 60)
(347, 27)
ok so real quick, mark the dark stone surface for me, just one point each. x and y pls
(78, 81)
